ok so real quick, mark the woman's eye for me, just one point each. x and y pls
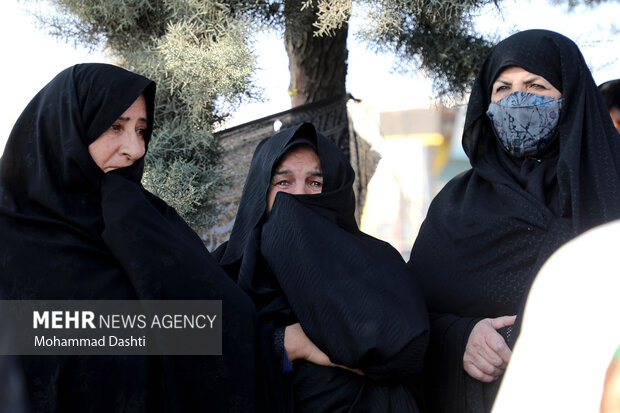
(281, 183)
(501, 88)
(141, 132)
(115, 127)
(537, 86)
(318, 184)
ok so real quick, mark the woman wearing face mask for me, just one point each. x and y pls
(76, 224)
(545, 167)
(296, 249)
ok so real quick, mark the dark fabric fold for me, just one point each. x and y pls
(165, 260)
(307, 261)
(490, 229)
(359, 320)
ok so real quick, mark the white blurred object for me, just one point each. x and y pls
(571, 328)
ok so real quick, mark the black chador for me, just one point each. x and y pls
(71, 232)
(307, 261)
(490, 229)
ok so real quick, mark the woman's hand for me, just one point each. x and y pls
(487, 354)
(298, 346)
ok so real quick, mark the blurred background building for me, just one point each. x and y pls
(419, 150)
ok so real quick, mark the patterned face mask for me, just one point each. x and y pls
(525, 123)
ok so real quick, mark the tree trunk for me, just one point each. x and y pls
(318, 65)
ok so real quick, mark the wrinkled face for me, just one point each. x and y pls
(517, 79)
(123, 143)
(299, 172)
(614, 112)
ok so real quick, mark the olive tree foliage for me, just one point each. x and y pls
(199, 54)
(437, 37)
(434, 36)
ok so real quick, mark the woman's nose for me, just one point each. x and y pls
(521, 87)
(133, 146)
(299, 188)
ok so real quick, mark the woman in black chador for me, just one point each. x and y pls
(76, 224)
(545, 167)
(296, 249)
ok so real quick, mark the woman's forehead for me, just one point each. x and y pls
(300, 153)
(513, 73)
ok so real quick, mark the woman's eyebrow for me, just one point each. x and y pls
(534, 78)
(281, 172)
(317, 172)
(125, 119)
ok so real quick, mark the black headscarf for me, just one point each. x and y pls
(254, 196)
(490, 229)
(69, 231)
(610, 91)
(307, 261)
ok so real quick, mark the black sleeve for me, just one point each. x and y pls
(446, 383)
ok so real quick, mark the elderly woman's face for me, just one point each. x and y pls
(299, 172)
(123, 143)
(517, 79)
